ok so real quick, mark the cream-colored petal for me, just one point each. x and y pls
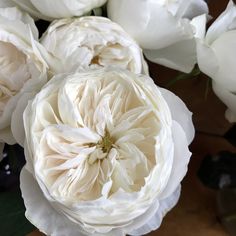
(181, 159)
(180, 113)
(41, 213)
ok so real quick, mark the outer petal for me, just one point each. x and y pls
(199, 24)
(155, 221)
(49, 10)
(17, 126)
(207, 59)
(180, 113)
(27, 6)
(225, 22)
(5, 130)
(119, 11)
(152, 33)
(181, 159)
(66, 8)
(179, 56)
(225, 51)
(18, 29)
(41, 213)
(192, 8)
(13, 14)
(229, 99)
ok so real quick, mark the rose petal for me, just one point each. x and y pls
(180, 113)
(225, 22)
(153, 222)
(181, 159)
(41, 213)
(179, 56)
(229, 100)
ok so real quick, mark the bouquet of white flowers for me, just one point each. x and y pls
(106, 149)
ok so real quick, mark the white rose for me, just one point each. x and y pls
(91, 41)
(161, 27)
(21, 70)
(51, 9)
(106, 150)
(216, 52)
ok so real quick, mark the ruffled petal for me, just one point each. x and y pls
(181, 159)
(41, 213)
(180, 113)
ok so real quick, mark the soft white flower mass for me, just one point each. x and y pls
(51, 9)
(216, 52)
(21, 69)
(162, 28)
(76, 44)
(106, 150)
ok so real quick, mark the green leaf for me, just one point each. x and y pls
(183, 76)
(12, 215)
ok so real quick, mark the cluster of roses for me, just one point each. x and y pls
(106, 149)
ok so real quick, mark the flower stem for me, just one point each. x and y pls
(183, 76)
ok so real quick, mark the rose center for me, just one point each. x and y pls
(106, 143)
(103, 148)
(95, 60)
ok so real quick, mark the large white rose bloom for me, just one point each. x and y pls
(51, 9)
(106, 150)
(162, 28)
(216, 52)
(21, 69)
(91, 41)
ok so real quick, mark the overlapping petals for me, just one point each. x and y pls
(100, 149)
(76, 44)
(216, 57)
(50, 9)
(21, 69)
(162, 28)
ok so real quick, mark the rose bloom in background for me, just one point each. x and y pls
(50, 9)
(76, 44)
(216, 52)
(162, 28)
(106, 150)
(22, 70)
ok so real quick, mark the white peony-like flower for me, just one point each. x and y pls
(76, 44)
(21, 70)
(216, 51)
(162, 28)
(50, 9)
(106, 150)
